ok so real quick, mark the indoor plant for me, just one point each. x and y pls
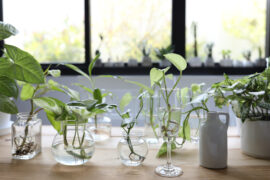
(209, 62)
(170, 115)
(195, 61)
(132, 149)
(226, 59)
(146, 51)
(249, 97)
(99, 125)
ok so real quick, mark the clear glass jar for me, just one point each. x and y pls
(132, 149)
(194, 123)
(100, 127)
(74, 145)
(26, 136)
(151, 122)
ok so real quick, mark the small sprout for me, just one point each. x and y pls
(247, 55)
(209, 49)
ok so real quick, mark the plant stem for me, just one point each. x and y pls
(169, 150)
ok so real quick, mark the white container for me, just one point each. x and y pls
(209, 62)
(195, 62)
(213, 141)
(226, 63)
(255, 138)
(5, 123)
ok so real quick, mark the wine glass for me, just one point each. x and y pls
(169, 127)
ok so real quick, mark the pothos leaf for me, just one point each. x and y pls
(126, 99)
(163, 149)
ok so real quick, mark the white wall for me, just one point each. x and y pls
(119, 87)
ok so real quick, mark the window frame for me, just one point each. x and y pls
(178, 39)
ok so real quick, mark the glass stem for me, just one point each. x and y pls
(169, 158)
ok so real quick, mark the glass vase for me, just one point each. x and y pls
(26, 136)
(170, 119)
(74, 145)
(195, 121)
(100, 127)
(132, 149)
(151, 123)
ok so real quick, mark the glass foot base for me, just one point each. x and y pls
(171, 171)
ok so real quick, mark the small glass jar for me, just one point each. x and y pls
(26, 136)
(74, 145)
(100, 127)
(132, 149)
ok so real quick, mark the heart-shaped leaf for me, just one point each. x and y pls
(126, 99)
(27, 92)
(7, 105)
(23, 67)
(97, 95)
(8, 87)
(178, 61)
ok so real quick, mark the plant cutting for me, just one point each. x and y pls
(99, 125)
(170, 115)
(137, 147)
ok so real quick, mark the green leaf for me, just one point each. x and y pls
(8, 87)
(84, 87)
(97, 95)
(125, 115)
(141, 85)
(27, 92)
(52, 118)
(184, 95)
(7, 30)
(155, 76)
(163, 149)
(7, 105)
(49, 104)
(169, 76)
(178, 61)
(74, 68)
(92, 64)
(23, 67)
(126, 99)
(55, 73)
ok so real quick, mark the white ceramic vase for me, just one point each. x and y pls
(213, 141)
(255, 138)
(195, 62)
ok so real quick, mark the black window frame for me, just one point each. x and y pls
(178, 40)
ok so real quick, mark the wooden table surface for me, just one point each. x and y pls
(105, 163)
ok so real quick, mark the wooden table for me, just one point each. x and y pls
(106, 165)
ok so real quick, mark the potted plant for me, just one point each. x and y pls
(260, 62)
(209, 62)
(226, 60)
(146, 51)
(249, 97)
(163, 62)
(99, 124)
(97, 52)
(195, 61)
(247, 56)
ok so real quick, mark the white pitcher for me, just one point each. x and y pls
(213, 141)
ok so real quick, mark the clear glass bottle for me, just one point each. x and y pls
(132, 149)
(26, 136)
(100, 127)
(74, 145)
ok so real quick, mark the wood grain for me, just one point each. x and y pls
(106, 165)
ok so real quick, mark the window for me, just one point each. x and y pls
(232, 25)
(52, 30)
(73, 30)
(120, 28)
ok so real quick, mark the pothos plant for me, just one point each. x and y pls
(158, 78)
(160, 52)
(128, 122)
(93, 92)
(249, 95)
